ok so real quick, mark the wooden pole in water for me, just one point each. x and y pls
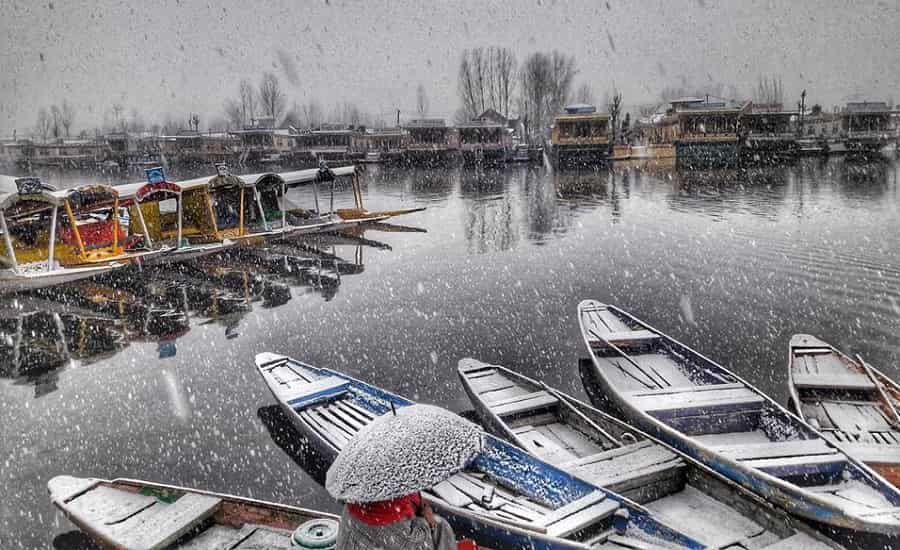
(52, 248)
(316, 195)
(10, 252)
(74, 224)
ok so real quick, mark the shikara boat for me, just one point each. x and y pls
(608, 453)
(844, 399)
(505, 499)
(707, 412)
(92, 229)
(130, 514)
(169, 216)
(33, 256)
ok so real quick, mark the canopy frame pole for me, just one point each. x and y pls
(52, 247)
(283, 206)
(331, 207)
(116, 226)
(180, 217)
(357, 191)
(241, 230)
(316, 197)
(258, 196)
(140, 214)
(7, 240)
(75, 230)
(211, 210)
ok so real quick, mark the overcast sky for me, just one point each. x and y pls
(164, 56)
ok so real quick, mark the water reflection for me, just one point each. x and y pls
(83, 322)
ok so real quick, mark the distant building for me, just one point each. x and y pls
(67, 152)
(329, 141)
(580, 135)
(866, 117)
(262, 141)
(484, 141)
(429, 139)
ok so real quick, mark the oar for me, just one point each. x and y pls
(884, 397)
(627, 358)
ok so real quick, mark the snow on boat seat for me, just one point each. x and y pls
(836, 381)
(787, 458)
(628, 467)
(318, 390)
(523, 403)
(676, 402)
(579, 514)
(140, 521)
(625, 339)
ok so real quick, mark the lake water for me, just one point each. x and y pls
(151, 375)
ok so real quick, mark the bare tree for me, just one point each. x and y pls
(247, 99)
(546, 83)
(585, 94)
(271, 96)
(486, 80)
(769, 91)
(118, 120)
(43, 124)
(55, 121)
(68, 116)
(421, 101)
(136, 121)
(312, 114)
(614, 107)
(234, 114)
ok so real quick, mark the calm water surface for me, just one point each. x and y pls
(151, 375)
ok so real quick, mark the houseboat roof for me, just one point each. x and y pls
(478, 124)
(426, 123)
(867, 107)
(563, 117)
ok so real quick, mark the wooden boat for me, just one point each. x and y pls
(845, 400)
(33, 257)
(94, 232)
(609, 453)
(694, 404)
(129, 513)
(171, 217)
(505, 499)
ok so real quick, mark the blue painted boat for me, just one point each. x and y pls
(607, 452)
(694, 404)
(505, 499)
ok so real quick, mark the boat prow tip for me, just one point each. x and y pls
(806, 340)
(267, 357)
(63, 486)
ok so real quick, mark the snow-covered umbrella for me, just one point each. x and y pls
(400, 453)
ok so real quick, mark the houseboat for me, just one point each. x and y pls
(866, 129)
(705, 132)
(262, 141)
(484, 142)
(430, 141)
(580, 136)
(770, 133)
(379, 145)
(328, 142)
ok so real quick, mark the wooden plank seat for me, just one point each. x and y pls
(680, 401)
(579, 514)
(777, 449)
(793, 466)
(523, 403)
(833, 381)
(141, 521)
(324, 388)
(624, 339)
(625, 467)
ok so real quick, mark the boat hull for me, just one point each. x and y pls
(21, 282)
(790, 497)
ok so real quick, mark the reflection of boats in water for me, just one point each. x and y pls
(91, 320)
(38, 337)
